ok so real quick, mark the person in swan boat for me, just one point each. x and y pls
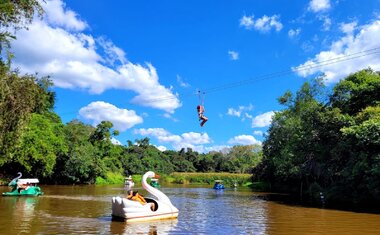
(135, 196)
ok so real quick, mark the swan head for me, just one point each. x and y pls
(150, 174)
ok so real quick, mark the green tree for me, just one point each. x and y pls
(333, 147)
(357, 91)
(41, 143)
(20, 96)
(78, 165)
(14, 15)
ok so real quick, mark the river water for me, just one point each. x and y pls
(202, 210)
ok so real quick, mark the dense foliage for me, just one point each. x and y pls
(14, 15)
(330, 146)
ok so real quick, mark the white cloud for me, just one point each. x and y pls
(247, 22)
(262, 120)
(195, 138)
(348, 28)
(319, 5)
(258, 133)
(238, 112)
(57, 16)
(307, 46)
(99, 111)
(233, 112)
(326, 23)
(78, 60)
(233, 55)
(292, 33)
(181, 82)
(263, 24)
(112, 52)
(186, 140)
(169, 116)
(247, 116)
(161, 148)
(244, 140)
(115, 141)
(366, 38)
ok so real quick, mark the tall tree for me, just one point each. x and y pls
(15, 15)
(20, 96)
(357, 91)
(41, 143)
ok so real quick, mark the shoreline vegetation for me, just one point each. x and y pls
(242, 180)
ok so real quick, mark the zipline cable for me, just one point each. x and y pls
(319, 64)
(300, 68)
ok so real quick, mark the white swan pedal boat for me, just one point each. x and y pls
(135, 211)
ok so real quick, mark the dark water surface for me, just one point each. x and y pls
(202, 210)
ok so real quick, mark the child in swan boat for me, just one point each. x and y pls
(134, 196)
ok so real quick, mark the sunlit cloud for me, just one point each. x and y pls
(258, 133)
(355, 39)
(99, 111)
(263, 24)
(56, 15)
(319, 5)
(233, 55)
(238, 112)
(58, 46)
(115, 141)
(263, 120)
(293, 33)
(181, 82)
(244, 140)
(186, 140)
(161, 148)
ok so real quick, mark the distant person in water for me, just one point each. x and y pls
(202, 118)
(135, 196)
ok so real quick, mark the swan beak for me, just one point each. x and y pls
(157, 176)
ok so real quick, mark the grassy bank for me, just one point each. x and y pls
(242, 180)
(209, 178)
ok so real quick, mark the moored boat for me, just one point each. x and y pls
(128, 182)
(218, 184)
(135, 211)
(154, 183)
(23, 187)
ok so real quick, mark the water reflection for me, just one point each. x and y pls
(208, 211)
(87, 210)
(23, 212)
(152, 227)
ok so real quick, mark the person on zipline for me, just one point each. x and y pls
(202, 117)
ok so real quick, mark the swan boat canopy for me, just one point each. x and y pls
(135, 211)
(23, 187)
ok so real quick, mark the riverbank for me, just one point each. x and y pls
(229, 179)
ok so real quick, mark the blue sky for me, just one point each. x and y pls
(140, 64)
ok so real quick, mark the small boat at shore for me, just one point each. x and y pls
(130, 210)
(128, 183)
(23, 187)
(218, 185)
(154, 183)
